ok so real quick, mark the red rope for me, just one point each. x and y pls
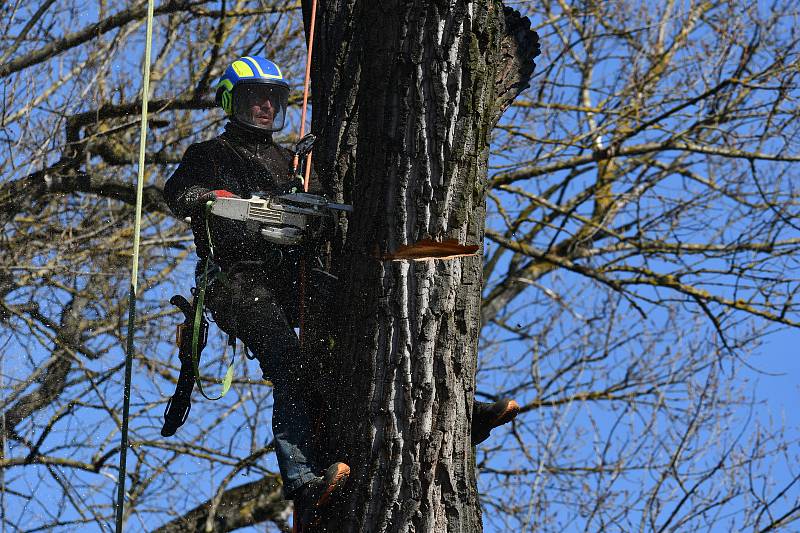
(307, 177)
(306, 84)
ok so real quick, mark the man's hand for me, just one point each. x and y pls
(192, 201)
(210, 196)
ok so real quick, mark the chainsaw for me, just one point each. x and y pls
(280, 219)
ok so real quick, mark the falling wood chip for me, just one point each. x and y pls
(428, 249)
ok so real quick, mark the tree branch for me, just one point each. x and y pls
(238, 507)
(91, 32)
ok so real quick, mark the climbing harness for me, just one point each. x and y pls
(123, 451)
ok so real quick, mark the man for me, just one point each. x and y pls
(256, 299)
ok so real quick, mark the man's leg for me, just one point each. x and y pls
(258, 320)
(263, 325)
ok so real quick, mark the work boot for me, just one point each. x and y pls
(315, 494)
(487, 416)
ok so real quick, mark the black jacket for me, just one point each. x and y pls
(243, 163)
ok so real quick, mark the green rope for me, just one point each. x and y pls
(198, 318)
(123, 451)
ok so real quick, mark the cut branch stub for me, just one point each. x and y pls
(427, 249)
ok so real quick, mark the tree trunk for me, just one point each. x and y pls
(405, 95)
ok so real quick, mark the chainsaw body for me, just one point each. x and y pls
(280, 219)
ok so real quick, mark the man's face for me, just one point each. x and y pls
(258, 105)
(261, 105)
(263, 112)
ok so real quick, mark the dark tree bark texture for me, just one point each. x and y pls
(405, 96)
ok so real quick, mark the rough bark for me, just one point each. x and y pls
(405, 96)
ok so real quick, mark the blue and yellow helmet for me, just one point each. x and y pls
(254, 94)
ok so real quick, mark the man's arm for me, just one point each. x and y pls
(193, 183)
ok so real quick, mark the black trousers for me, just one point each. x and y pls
(260, 306)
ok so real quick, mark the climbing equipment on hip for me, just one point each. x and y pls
(191, 337)
(178, 406)
(198, 318)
